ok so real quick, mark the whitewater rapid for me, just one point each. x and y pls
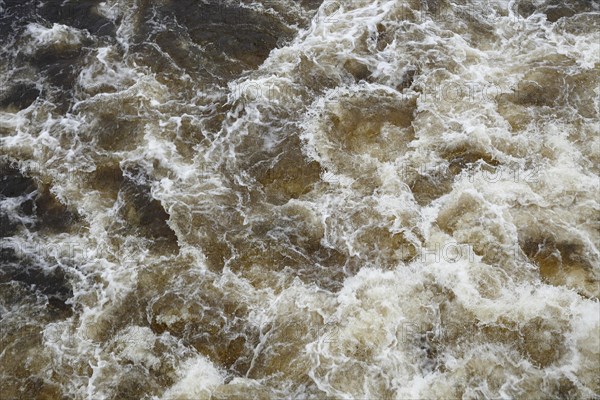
(350, 199)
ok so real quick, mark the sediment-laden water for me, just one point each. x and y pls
(360, 199)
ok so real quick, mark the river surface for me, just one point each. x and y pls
(278, 199)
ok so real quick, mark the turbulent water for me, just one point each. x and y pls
(353, 199)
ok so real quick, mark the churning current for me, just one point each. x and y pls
(299, 199)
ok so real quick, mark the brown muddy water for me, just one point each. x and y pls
(278, 199)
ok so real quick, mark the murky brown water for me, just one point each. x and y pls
(299, 199)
